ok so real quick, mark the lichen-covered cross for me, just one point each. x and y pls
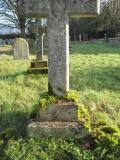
(58, 13)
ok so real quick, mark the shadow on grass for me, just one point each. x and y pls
(12, 124)
(13, 75)
(93, 48)
(8, 53)
(15, 120)
(96, 79)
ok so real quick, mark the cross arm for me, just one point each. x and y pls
(85, 8)
(34, 8)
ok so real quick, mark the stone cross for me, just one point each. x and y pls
(58, 13)
(39, 42)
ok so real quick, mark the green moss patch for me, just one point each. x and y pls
(38, 70)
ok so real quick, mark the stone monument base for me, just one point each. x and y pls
(38, 67)
(58, 120)
(56, 129)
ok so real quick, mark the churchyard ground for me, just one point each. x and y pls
(94, 73)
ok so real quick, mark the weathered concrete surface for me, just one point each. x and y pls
(58, 12)
(21, 49)
(57, 129)
(72, 7)
(66, 112)
(58, 50)
(38, 70)
(39, 64)
(38, 67)
(114, 42)
(62, 119)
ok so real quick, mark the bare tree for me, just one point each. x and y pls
(12, 13)
(110, 15)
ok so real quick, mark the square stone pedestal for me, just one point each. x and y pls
(57, 120)
(38, 67)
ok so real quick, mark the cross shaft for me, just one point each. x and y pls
(58, 12)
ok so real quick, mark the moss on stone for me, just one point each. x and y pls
(72, 95)
(83, 113)
(38, 70)
(44, 102)
(83, 116)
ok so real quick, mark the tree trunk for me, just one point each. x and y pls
(21, 17)
(22, 26)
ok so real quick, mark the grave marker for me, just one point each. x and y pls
(39, 66)
(58, 13)
(60, 119)
(21, 49)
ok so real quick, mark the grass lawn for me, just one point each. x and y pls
(94, 73)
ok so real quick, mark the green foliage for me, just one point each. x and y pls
(107, 139)
(83, 113)
(83, 116)
(72, 95)
(45, 101)
(94, 73)
(46, 149)
(9, 133)
(108, 20)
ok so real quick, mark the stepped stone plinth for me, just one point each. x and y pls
(39, 64)
(38, 67)
(58, 120)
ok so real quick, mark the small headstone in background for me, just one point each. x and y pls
(114, 42)
(105, 35)
(80, 38)
(106, 39)
(21, 49)
(94, 40)
(118, 35)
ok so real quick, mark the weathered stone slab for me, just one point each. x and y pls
(57, 129)
(61, 119)
(114, 42)
(38, 70)
(38, 67)
(21, 49)
(39, 64)
(73, 7)
(63, 111)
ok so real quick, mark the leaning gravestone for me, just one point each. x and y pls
(53, 121)
(21, 49)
